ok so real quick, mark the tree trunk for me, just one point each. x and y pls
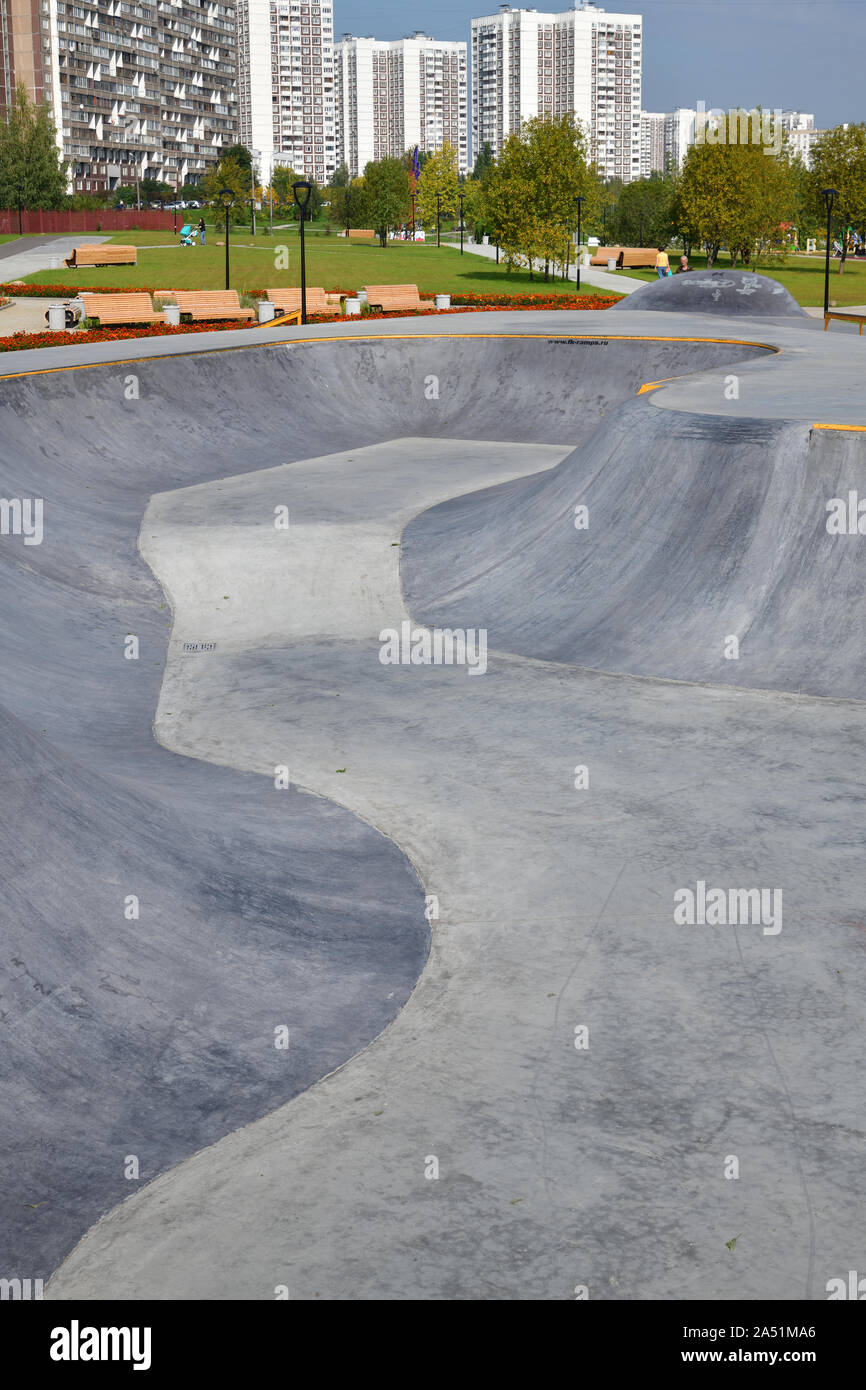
(843, 256)
(733, 260)
(546, 270)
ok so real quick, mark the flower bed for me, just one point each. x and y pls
(68, 291)
(18, 342)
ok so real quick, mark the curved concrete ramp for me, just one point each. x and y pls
(731, 293)
(161, 917)
(555, 1104)
(697, 529)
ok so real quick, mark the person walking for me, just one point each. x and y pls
(662, 263)
(201, 229)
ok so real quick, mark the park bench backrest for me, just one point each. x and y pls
(603, 254)
(361, 234)
(395, 297)
(639, 256)
(205, 304)
(120, 308)
(96, 254)
(289, 298)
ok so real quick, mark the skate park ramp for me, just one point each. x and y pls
(698, 529)
(262, 908)
(731, 293)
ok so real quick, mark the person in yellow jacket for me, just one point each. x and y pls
(662, 263)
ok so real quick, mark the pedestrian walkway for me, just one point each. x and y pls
(28, 254)
(589, 275)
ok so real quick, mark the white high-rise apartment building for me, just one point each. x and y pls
(529, 63)
(652, 143)
(286, 84)
(136, 88)
(394, 95)
(679, 134)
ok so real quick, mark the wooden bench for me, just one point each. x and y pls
(206, 305)
(391, 297)
(93, 254)
(288, 299)
(603, 254)
(638, 257)
(361, 234)
(848, 318)
(120, 308)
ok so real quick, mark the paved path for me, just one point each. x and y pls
(589, 275)
(30, 254)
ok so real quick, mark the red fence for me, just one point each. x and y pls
(103, 220)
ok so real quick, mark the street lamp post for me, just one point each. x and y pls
(348, 216)
(20, 204)
(829, 195)
(414, 200)
(438, 219)
(580, 201)
(227, 199)
(462, 196)
(299, 189)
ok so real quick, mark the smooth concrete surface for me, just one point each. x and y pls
(552, 811)
(145, 1030)
(731, 293)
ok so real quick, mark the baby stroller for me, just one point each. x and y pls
(188, 235)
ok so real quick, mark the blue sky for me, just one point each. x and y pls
(805, 54)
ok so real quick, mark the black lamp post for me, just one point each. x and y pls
(227, 199)
(438, 219)
(462, 196)
(580, 201)
(414, 200)
(348, 218)
(303, 192)
(20, 198)
(830, 194)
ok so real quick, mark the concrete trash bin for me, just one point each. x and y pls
(611, 263)
(55, 262)
(56, 318)
(172, 313)
(353, 308)
(443, 301)
(266, 310)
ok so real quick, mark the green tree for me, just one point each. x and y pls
(484, 162)
(439, 175)
(348, 206)
(31, 166)
(733, 195)
(242, 156)
(531, 190)
(341, 177)
(229, 174)
(387, 198)
(644, 212)
(839, 161)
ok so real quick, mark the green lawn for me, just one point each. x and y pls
(332, 263)
(803, 276)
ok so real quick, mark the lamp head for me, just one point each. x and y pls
(226, 197)
(829, 194)
(302, 192)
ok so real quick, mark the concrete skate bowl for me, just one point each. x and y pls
(165, 916)
(698, 529)
(731, 293)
